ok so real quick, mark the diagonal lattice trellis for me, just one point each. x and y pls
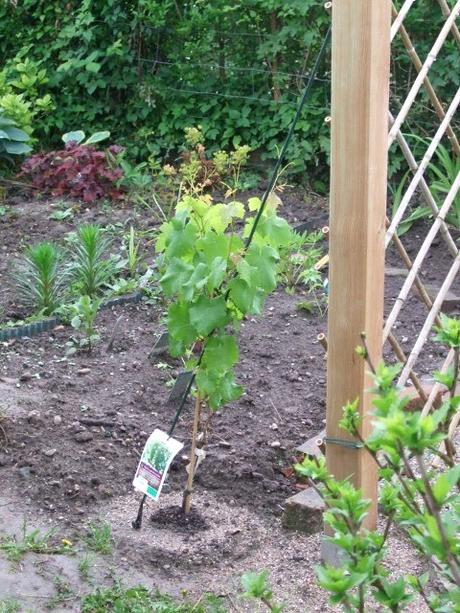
(405, 137)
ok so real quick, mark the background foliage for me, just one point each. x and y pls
(146, 69)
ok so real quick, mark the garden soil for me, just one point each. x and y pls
(73, 428)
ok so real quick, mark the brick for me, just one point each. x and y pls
(416, 403)
(391, 271)
(304, 512)
(451, 300)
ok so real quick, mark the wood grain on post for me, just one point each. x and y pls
(360, 93)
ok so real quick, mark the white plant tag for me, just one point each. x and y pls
(158, 454)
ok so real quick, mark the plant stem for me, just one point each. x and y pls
(187, 499)
(433, 507)
(456, 372)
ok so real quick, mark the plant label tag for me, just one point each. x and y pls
(161, 346)
(181, 386)
(158, 454)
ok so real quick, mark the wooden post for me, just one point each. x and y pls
(360, 92)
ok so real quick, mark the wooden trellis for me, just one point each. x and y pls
(363, 131)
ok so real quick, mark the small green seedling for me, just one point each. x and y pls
(256, 587)
(62, 214)
(297, 262)
(85, 565)
(85, 311)
(100, 538)
(132, 253)
(63, 593)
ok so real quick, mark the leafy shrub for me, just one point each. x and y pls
(13, 141)
(297, 262)
(21, 85)
(39, 277)
(79, 171)
(91, 268)
(214, 279)
(424, 502)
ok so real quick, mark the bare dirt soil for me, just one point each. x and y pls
(75, 427)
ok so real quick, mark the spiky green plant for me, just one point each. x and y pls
(91, 267)
(39, 277)
(446, 170)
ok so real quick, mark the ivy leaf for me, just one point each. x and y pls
(221, 352)
(207, 314)
(177, 275)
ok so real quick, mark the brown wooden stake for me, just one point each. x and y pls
(359, 132)
(187, 498)
(322, 340)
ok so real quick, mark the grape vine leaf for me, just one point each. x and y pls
(207, 314)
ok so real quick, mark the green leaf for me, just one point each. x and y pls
(93, 67)
(77, 136)
(445, 483)
(212, 246)
(97, 137)
(245, 271)
(217, 273)
(16, 148)
(220, 353)
(275, 229)
(246, 299)
(75, 322)
(198, 279)
(256, 585)
(254, 204)
(177, 274)
(181, 330)
(264, 259)
(207, 314)
(181, 238)
(16, 134)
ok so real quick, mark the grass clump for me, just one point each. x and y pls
(139, 599)
(9, 605)
(31, 542)
(100, 539)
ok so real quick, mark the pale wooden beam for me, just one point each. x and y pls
(360, 94)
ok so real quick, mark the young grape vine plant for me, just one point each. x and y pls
(216, 274)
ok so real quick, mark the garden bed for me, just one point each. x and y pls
(75, 426)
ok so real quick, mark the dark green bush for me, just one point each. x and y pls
(146, 70)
